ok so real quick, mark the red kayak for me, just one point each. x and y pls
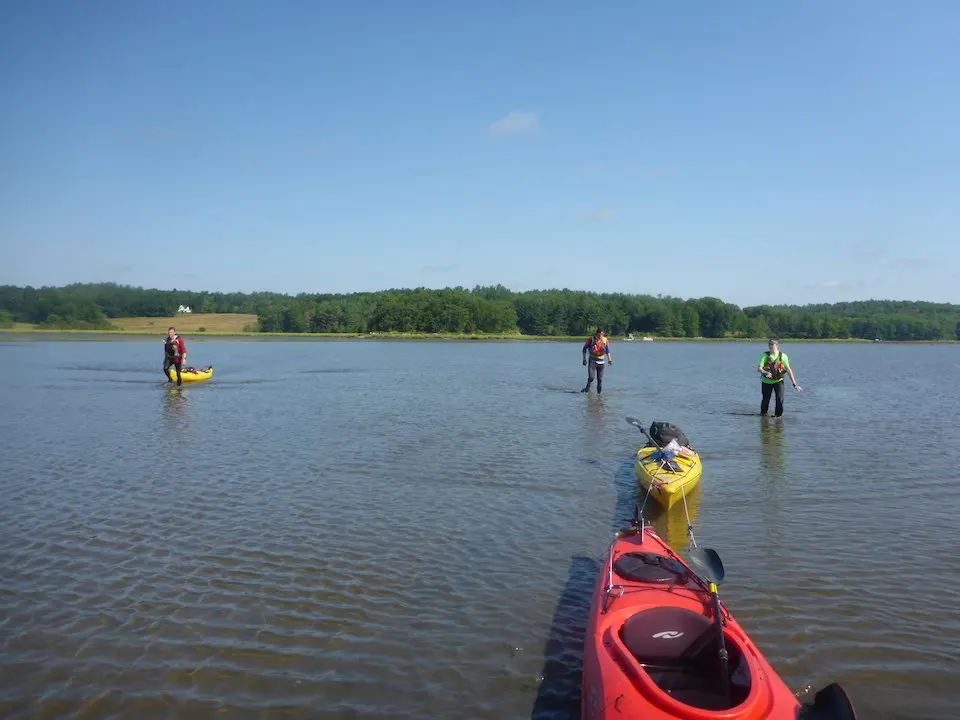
(653, 648)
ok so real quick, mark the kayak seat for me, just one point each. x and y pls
(678, 649)
(648, 568)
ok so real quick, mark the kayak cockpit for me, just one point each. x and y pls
(649, 567)
(678, 649)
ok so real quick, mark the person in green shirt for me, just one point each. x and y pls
(772, 367)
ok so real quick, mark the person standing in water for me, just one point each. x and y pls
(174, 353)
(772, 367)
(599, 348)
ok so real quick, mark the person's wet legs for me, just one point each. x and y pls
(591, 374)
(594, 371)
(167, 363)
(768, 389)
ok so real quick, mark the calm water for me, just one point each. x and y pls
(373, 529)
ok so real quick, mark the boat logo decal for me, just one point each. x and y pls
(667, 634)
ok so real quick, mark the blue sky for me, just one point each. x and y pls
(754, 151)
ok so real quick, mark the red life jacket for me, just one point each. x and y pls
(597, 349)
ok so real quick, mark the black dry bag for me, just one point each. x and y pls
(663, 432)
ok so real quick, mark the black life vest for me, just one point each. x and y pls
(776, 368)
(171, 347)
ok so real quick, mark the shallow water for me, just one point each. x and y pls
(412, 529)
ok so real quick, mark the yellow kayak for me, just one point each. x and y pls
(190, 374)
(669, 486)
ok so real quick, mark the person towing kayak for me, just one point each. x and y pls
(174, 353)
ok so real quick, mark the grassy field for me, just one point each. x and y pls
(195, 323)
(214, 323)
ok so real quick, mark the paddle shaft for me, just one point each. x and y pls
(642, 429)
(723, 647)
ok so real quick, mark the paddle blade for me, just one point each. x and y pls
(634, 421)
(830, 703)
(707, 562)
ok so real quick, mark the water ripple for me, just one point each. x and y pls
(371, 538)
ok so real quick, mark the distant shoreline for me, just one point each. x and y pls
(484, 313)
(10, 333)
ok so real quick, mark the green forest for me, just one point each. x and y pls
(491, 310)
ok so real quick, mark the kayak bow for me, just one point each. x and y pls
(653, 648)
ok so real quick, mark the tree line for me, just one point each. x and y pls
(91, 305)
(492, 309)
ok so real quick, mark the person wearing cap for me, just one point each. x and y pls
(772, 368)
(599, 348)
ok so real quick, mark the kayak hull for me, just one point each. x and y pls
(652, 650)
(669, 487)
(190, 376)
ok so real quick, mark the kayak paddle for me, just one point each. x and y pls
(637, 423)
(708, 563)
(830, 703)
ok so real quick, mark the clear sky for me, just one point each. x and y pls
(753, 151)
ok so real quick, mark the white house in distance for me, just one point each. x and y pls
(184, 309)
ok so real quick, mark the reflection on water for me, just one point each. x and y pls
(175, 408)
(671, 524)
(596, 412)
(772, 447)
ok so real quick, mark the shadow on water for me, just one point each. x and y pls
(214, 383)
(629, 493)
(332, 371)
(577, 389)
(112, 381)
(559, 693)
(105, 368)
(550, 387)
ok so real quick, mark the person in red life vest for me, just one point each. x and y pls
(174, 353)
(598, 347)
(773, 365)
